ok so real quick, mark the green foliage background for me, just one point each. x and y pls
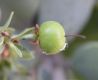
(91, 32)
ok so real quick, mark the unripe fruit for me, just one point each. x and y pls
(51, 37)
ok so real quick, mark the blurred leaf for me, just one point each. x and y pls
(22, 70)
(15, 50)
(3, 76)
(1, 67)
(6, 63)
(90, 31)
(85, 60)
(26, 53)
(72, 75)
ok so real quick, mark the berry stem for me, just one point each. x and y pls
(80, 36)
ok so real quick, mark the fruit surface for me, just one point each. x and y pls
(51, 37)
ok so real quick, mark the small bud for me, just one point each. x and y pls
(5, 34)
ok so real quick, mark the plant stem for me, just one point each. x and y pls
(9, 20)
(80, 36)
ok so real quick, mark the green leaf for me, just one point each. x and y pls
(27, 33)
(27, 54)
(15, 50)
(85, 60)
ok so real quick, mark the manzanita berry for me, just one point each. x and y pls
(52, 37)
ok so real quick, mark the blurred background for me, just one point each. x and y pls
(79, 61)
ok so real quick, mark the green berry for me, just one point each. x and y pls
(52, 37)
